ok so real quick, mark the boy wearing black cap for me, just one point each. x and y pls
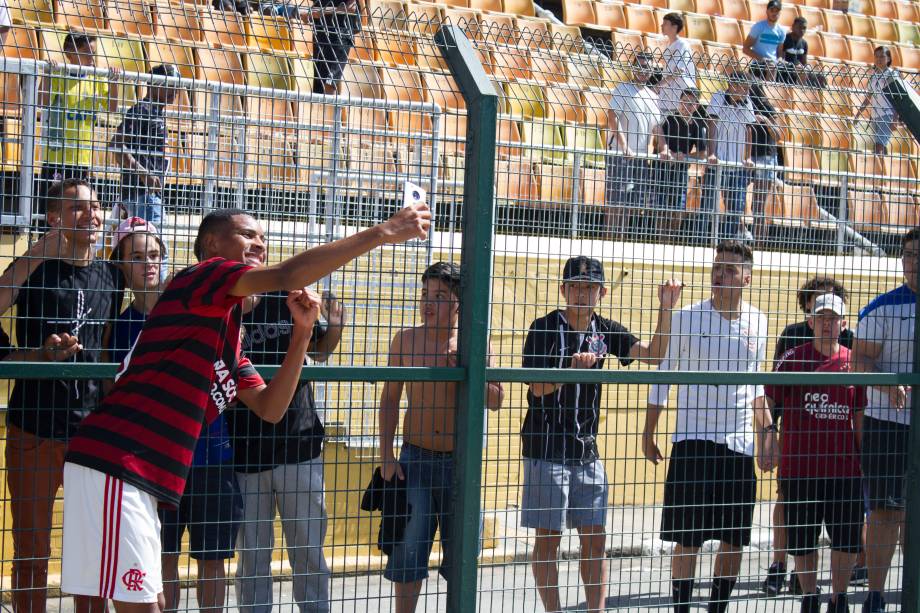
(564, 479)
(140, 146)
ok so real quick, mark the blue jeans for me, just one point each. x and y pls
(734, 191)
(429, 483)
(149, 207)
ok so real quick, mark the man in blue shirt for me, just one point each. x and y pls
(764, 43)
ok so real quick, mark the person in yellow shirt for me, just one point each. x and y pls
(71, 104)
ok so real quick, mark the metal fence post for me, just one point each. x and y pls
(910, 584)
(30, 83)
(476, 257)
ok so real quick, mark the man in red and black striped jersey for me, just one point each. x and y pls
(134, 452)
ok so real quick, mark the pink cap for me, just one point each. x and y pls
(134, 225)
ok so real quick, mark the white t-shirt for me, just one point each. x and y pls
(889, 321)
(731, 126)
(637, 114)
(879, 105)
(679, 74)
(703, 340)
(5, 21)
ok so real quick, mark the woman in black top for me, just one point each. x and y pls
(679, 140)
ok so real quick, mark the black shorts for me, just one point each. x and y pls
(211, 508)
(884, 462)
(709, 495)
(836, 502)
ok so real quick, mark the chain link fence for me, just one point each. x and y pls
(614, 147)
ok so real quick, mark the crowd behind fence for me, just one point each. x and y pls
(214, 109)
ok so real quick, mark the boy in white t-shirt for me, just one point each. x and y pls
(881, 114)
(632, 116)
(679, 69)
(710, 489)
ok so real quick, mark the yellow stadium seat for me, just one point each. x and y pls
(566, 38)
(641, 18)
(595, 105)
(709, 7)
(442, 89)
(362, 80)
(533, 32)
(173, 52)
(815, 43)
(542, 141)
(835, 132)
(870, 166)
(453, 133)
(655, 43)
(511, 63)
(397, 48)
(82, 15)
(225, 28)
(593, 187)
(901, 171)
(563, 105)
(498, 29)
(220, 64)
(682, 6)
(523, 100)
(815, 16)
(728, 31)
(628, 40)
(458, 3)
(861, 49)
(902, 212)
(910, 57)
(465, 18)
(709, 83)
(406, 85)
(861, 25)
(835, 46)
(699, 27)
(788, 15)
(549, 67)
(427, 17)
(610, 15)
(821, 4)
(837, 22)
(720, 56)
(270, 33)
(508, 135)
(794, 206)
(365, 49)
(130, 17)
(736, 9)
(583, 71)
(886, 30)
(521, 8)
(494, 6)
(21, 43)
(866, 211)
(556, 183)
(387, 14)
(867, 7)
(908, 33)
(31, 11)
(803, 129)
(838, 102)
(886, 9)
(515, 182)
(908, 11)
(586, 137)
(801, 163)
(177, 21)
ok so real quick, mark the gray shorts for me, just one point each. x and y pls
(556, 496)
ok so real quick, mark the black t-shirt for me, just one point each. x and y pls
(57, 298)
(144, 133)
(562, 426)
(298, 437)
(683, 134)
(800, 333)
(795, 51)
(5, 346)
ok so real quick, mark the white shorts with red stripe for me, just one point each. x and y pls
(111, 538)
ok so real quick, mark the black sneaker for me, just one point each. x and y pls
(811, 603)
(875, 603)
(776, 579)
(859, 576)
(840, 605)
(795, 588)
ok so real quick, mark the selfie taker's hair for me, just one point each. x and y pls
(214, 222)
(445, 272)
